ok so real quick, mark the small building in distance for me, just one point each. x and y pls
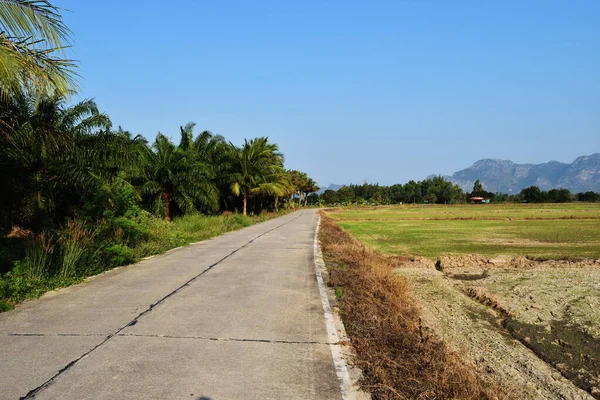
(478, 200)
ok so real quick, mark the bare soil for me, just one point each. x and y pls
(534, 325)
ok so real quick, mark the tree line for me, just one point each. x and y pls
(439, 191)
(61, 161)
(431, 190)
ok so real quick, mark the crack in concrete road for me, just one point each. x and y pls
(32, 393)
(171, 337)
(228, 339)
(56, 334)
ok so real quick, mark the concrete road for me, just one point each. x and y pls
(235, 317)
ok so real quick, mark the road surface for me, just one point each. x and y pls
(235, 317)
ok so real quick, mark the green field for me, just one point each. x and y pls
(536, 230)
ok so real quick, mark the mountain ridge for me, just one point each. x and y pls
(506, 176)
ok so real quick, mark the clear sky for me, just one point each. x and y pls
(353, 91)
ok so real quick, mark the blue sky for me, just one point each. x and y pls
(352, 91)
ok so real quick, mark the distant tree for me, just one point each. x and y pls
(559, 196)
(477, 187)
(588, 196)
(501, 197)
(532, 194)
(345, 194)
(413, 192)
(396, 194)
(330, 197)
(313, 199)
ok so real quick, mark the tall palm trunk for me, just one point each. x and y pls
(167, 200)
(245, 203)
(276, 203)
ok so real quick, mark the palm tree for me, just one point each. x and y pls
(173, 176)
(33, 37)
(308, 186)
(298, 181)
(255, 168)
(51, 148)
(286, 188)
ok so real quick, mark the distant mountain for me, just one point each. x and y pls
(505, 176)
(333, 186)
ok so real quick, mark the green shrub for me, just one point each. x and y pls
(241, 220)
(118, 255)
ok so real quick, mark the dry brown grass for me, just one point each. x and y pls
(399, 358)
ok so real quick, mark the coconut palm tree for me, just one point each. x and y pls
(308, 186)
(255, 168)
(175, 177)
(33, 37)
(286, 188)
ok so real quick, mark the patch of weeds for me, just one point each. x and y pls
(5, 306)
(338, 293)
(241, 220)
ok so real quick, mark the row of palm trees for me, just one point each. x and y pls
(55, 157)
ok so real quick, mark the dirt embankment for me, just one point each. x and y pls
(400, 357)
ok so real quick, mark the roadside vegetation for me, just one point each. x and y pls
(80, 196)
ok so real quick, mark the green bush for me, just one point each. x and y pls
(118, 254)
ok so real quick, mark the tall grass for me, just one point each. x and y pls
(191, 228)
(74, 241)
(38, 256)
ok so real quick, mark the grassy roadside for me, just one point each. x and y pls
(42, 265)
(398, 357)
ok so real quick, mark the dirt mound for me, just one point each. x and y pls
(467, 261)
(476, 261)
